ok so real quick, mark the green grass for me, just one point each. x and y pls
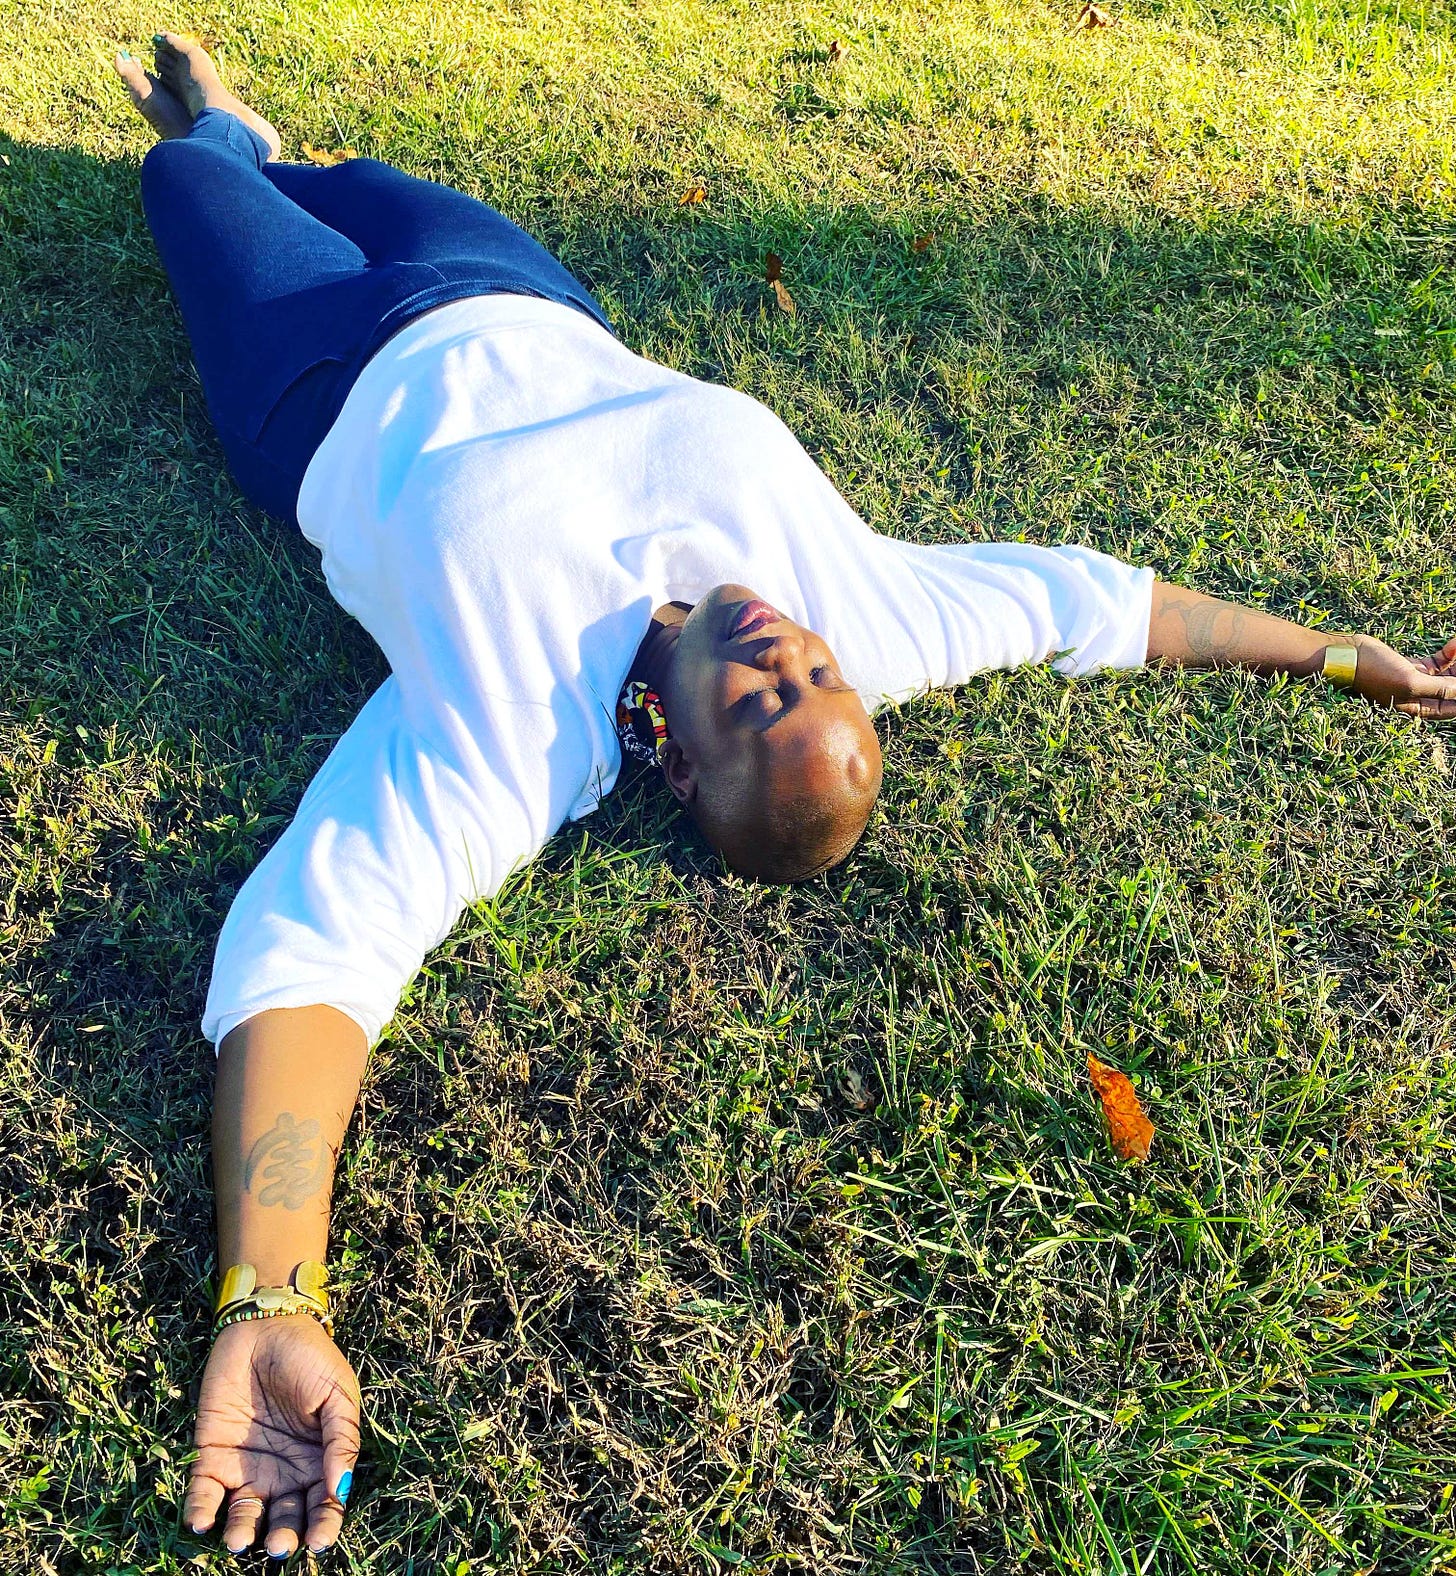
(634, 1287)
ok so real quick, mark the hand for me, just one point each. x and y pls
(1425, 687)
(278, 1431)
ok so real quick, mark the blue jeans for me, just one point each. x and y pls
(290, 277)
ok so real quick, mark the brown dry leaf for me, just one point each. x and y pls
(922, 243)
(692, 196)
(852, 1088)
(773, 271)
(1092, 15)
(325, 156)
(838, 49)
(1127, 1123)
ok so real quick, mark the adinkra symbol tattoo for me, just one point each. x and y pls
(290, 1160)
(1211, 631)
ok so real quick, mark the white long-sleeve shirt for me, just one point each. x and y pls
(505, 498)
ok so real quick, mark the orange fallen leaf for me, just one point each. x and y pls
(692, 196)
(1092, 15)
(785, 300)
(1127, 1123)
(838, 49)
(922, 243)
(325, 156)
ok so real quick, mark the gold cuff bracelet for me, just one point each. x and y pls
(1339, 665)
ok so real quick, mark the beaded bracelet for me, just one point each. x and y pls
(245, 1315)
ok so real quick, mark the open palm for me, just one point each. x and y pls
(277, 1435)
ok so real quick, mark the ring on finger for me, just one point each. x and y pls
(245, 1499)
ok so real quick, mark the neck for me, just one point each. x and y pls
(654, 660)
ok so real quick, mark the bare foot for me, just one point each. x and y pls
(188, 73)
(160, 108)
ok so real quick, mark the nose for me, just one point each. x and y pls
(781, 651)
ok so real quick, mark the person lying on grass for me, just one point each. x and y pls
(568, 554)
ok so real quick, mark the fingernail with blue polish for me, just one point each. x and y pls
(346, 1482)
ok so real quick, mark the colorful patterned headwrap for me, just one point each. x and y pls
(641, 725)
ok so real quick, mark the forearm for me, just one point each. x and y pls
(1199, 631)
(287, 1082)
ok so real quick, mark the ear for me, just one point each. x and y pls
(681, 774)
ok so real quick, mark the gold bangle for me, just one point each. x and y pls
(240, 1297)
(1340, 664)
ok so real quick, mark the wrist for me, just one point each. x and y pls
(1339, 663)
(242, 1298)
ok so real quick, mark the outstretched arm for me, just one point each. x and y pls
(1199, 631)
(387, 846)
(278, 1412)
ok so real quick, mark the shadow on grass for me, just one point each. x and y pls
(176, 673)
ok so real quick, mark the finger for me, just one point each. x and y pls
(285, 1524)
(1437, 708)
(1439, 661)
(204, 1495)
(325, 1518)
(339, 1418)
(245, 1513)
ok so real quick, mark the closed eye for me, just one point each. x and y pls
(759, 705)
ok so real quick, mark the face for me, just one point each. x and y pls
(757, 705)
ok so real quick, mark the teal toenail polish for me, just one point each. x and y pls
(346, 1482)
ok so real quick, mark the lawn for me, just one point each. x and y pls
(636, 1278)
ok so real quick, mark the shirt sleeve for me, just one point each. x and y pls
(1002, 604)
(388, 846)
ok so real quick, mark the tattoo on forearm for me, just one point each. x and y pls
(1205, 634)
(290, 1161)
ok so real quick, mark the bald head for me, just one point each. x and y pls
(798, 813)
(770, 748)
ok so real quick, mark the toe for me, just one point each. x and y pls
(132, 72)
(159, 108)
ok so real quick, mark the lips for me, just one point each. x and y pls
(752, 617)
